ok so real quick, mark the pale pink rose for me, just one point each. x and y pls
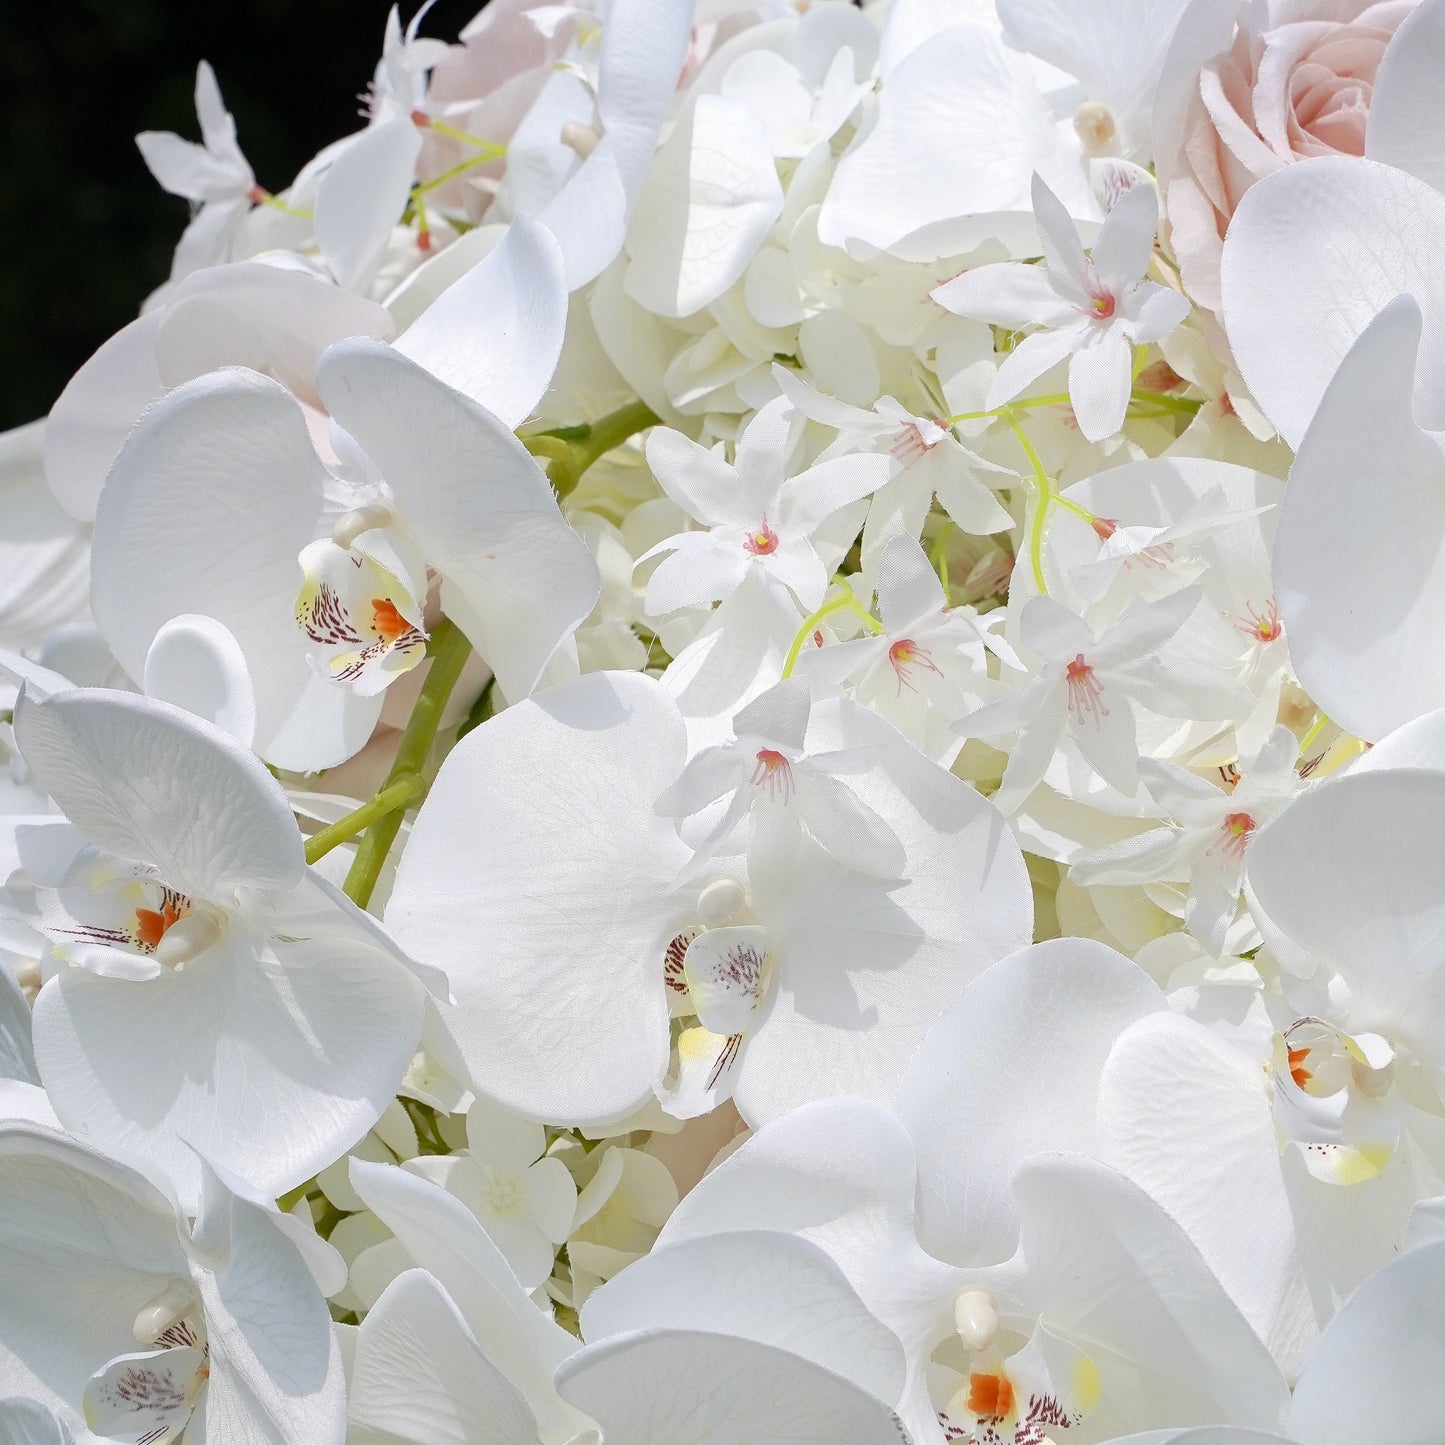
(1297, 82)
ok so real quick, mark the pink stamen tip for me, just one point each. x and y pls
(763, 542)
(1104, 528)
(258, 195)
(1234, 834)
(906, 654)
(774, 772)
(1085, 692)
(421, 119)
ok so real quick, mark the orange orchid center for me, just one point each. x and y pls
(991, 1396)
(151, 924)
(388, 621)
(1297, 1070)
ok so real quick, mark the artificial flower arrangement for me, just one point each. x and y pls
(736, 735)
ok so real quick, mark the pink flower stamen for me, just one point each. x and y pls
(1234, 835)
(775, 772)
(763, 542)
(906, 654)
(1259, 626)
(1085, 692)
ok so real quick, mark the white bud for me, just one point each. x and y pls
(975, 1317)
(170, 1307)
(188, 938)
(350, 525)
(1095, 126)
(580, 138)
(720, 901)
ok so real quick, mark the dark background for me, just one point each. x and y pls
(85, 231)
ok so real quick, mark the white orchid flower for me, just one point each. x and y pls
(781, 790)
(759, 959)
(121, 1316)
(272, 318)
(928, 461)
(1090, 309)
(757, 519)
(213, 995)
(1104, 1319)
(927, 667)
(214, 176)
(1206, 838)
(1086, 688)
(323, 581)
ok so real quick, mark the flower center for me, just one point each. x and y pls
(774, 772)
(363, 622)
(1262, 626)
(1234, 835)
(1085, 692)
(904, 656)
(763, 541)
(505, 1194)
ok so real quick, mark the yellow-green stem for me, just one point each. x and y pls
(397, 796)
(1043, 497)
(448, 650)
(602, 435)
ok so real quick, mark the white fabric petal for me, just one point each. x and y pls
(1010, 1070)
(196, 663)
(771, 1287)
(539, 836)
(1374, 1373)
(156, 785)
(444, 1238)
(1099, 376)
(644, 45)
(1293, 306)
(476, 504)
(1028, 361)
(17, 1056)
(863, 964)
(26, 1422)
(495, 334)
(1005, 294)
(420, 1376)
(72, 1290)
(967, 96)
(361, 197)
(711, 197)
(275, 1369)
(686, 1387)
(1404, 128)
(1125, 246)
(186, 526)
(1366, 486)
(1187, 1118)
(271, 1062)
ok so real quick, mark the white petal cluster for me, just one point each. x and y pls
(737, 734)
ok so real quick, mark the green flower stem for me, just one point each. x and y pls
(566, 468)
(1187, 405)
(449, 651)
(398, 796)
(844, 602)
(1043, 497)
